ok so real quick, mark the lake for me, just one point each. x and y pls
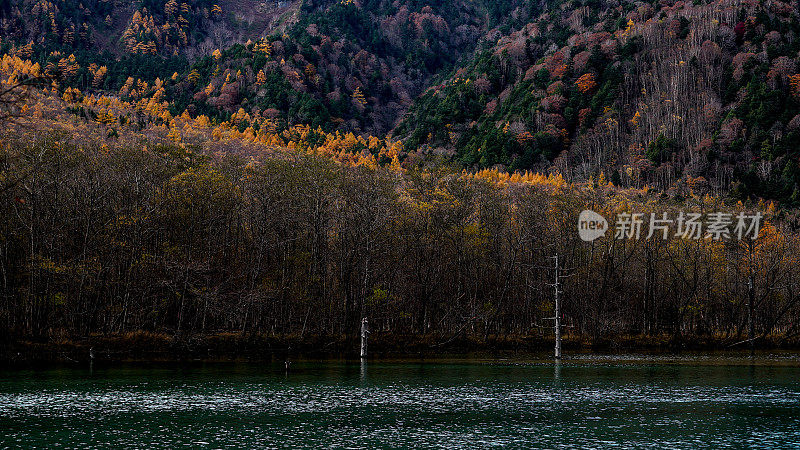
(583, 402)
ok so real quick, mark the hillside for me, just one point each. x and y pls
(351, 66)
(681, 97)
(666, 94)
(150, 27)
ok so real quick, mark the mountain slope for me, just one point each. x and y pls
(676, 95)
(701, 97)
(352, 66)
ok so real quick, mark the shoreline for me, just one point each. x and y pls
(222, 347)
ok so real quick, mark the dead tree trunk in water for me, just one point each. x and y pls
(751, 297)
(558, 316)
(364, 332)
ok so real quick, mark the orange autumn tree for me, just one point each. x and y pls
(216, 11)
(794, 82)
(586, 83)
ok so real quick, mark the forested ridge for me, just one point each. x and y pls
(185, 168)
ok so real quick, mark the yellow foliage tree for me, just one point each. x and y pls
(263, 46)
(106, 117)
(98, 76)
(358, 96)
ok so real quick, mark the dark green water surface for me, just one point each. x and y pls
(587, 402)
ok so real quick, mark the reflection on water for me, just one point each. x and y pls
(363, 370)
(557, 372)
(641, 402)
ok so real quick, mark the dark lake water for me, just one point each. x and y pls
(587, 402)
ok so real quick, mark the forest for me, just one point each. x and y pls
(114, 240)
(282, 170)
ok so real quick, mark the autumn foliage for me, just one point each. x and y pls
(170, 165)
(586, 83)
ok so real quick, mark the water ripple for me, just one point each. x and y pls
(396, 406)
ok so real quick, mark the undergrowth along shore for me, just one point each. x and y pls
(147, 346)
